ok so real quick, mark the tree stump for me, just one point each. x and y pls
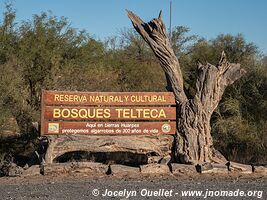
(130, 150)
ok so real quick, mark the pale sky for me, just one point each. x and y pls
(206, 18)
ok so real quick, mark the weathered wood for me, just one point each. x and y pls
(132, 149)
(261, 170)
(193, 142)
(178, 169)
(212, 168)
(241, 168)
(154, 168)
(109, 128)
(90, 168)
(154, 33)
(122, 170)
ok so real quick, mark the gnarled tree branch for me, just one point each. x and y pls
(212, 81)
(154, 33)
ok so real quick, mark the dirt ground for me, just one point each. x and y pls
(81, 186)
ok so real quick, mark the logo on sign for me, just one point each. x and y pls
(53, 127)
(166, 128)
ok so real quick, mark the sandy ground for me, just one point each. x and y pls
(80, 186)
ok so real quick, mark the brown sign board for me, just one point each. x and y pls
(92, 128)
(108, 98)
(107, 113)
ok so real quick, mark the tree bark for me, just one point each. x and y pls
(193, 137)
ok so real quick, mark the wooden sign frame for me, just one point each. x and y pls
(70, 113)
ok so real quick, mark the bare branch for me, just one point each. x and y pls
(154, 33)
(212, 81)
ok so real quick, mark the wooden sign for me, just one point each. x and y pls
(107, 113)
(108, 98)
(73, 128)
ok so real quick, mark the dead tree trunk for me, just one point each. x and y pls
(193, 139)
